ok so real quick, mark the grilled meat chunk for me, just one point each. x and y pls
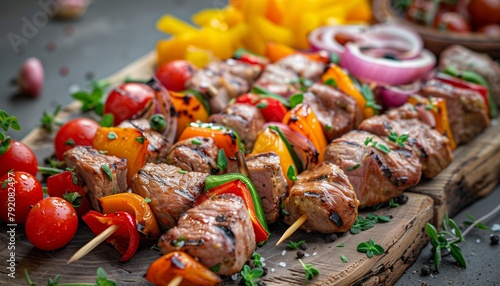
(326, 196)
(158, 144)
(303, 66)
(337, 112)
(266, 174)
(375, 176)
(467, 110)
(245, 119)
(219, 85)
(464, 59)
(172, 193)
(104, 175)
(218, 232)
(279, 80)
(237, 68)
(433, 149)
(200, 156)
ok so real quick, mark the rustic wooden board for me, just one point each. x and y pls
(402, 238)
(474, 173)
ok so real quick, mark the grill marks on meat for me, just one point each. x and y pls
(221, 81)
(326, 196)
(194, 157)
(467, 110)
(379, 176)
(171, 193)
(88, 163)
(217, 232)
(267, 175)
(279, 80)
(432, 148)
(245, 119)
(303, 66)
(334, 109)
(158, 144)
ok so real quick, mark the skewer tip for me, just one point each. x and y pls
(292, 228)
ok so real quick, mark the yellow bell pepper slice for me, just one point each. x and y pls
(172, 25)
(303, 120)
(269, 140)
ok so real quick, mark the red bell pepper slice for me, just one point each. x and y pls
(67, 185)
(125, 239)
(272, 109)
(250, 58)
(239, 188)
(464, 84)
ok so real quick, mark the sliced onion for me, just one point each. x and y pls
(386, 71)
(323, 38)
(302, 146)
(397, 95)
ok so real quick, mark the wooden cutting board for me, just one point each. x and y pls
(402, 238)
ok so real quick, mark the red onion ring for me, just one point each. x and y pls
(397, 95)
(323, 38)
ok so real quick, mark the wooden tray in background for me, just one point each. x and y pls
(403, 237)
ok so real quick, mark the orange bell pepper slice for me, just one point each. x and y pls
(135, 205)
(303, 120)
(189, 107)
(128, 143)
(180, 264)
(347, 86)
(224, 137)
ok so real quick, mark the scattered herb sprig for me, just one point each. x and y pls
(295, 245)
(310, 271)
(48, 120)
(379, 146)
(6, 122)
(398, 139)
(368, 222)
(251, 276)
(92, 100)
(370, 248)
(101, 280)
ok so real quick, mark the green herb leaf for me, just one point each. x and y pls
(368, 140)
(112, 135)
(48, 120)
(140, 139)
(473, 219)
(92, 100)
(262, 104)
(7, 121)
(70, 142)
(265, 93)
(108, 172)
(382, 147)
(370, 248)
(310, 271)
(343, 258)
(158, 122)
(328, 127)
(74, 198)
(398, 139)
(257, 259)
(331, 82)
(222, 160)
(295, 245)
(148, 200)
(296, 99)
(215, 268)
(196, 141)
(456, 252)
(339, 245)
(370, 99)
(107, 120)
(182, 171)
(352, 168)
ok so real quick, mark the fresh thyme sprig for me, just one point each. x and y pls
(310, 271)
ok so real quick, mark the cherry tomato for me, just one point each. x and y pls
(76, 132)
(484, 12)
(173, 75)
(127, 100)
(18, 192)
(19, 157)
(65, 185)
(452, 21)
(51, 223)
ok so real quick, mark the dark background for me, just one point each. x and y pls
(115, 32)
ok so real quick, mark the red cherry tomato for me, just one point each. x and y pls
(18, 192)
(173, 75)
(19, 157)
(76, 132)
(484, 12)
(51, 223)
(128, 100)
(64, 185)
(452, 21)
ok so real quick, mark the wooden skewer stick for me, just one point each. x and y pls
(242, 163)
(93, 243)
(293, 228)
(175, 281)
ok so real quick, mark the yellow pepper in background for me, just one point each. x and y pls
(252, 25)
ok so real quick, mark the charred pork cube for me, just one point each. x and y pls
(197, 154)
(337, 112)
(325, 195)
(433, 149)
(104, 175)
(172, 191)
(158, 144)
(218, 232)
(245, 119)
(266, 174)
(467, 111)
(376, 171)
